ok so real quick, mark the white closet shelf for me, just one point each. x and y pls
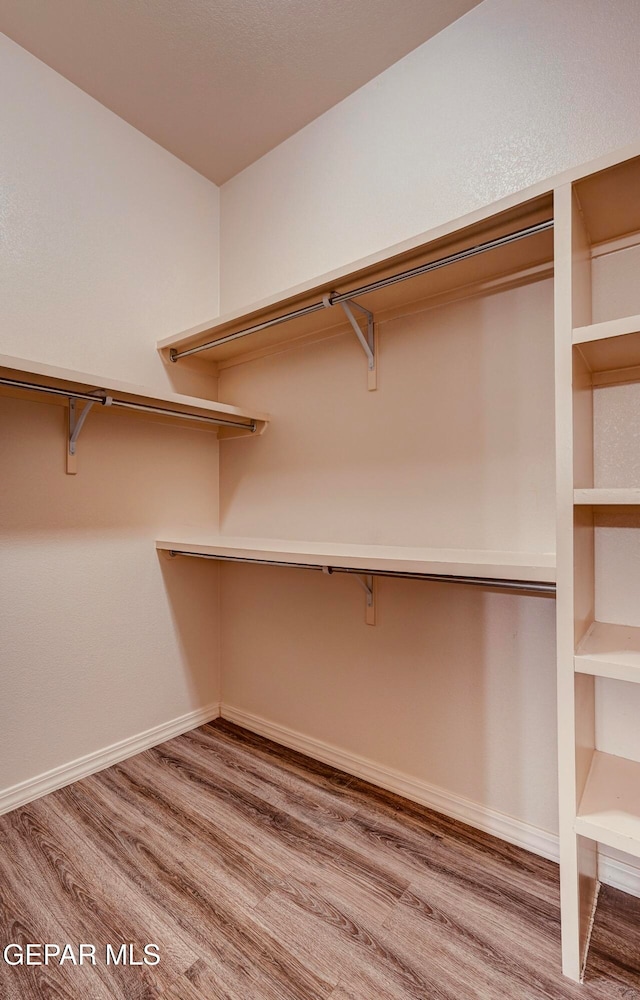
(608, 199)
(605, 497)
(384, 559)
(515, 262)
(237, 421)
(609, 811)
(610, 651)
(610, 346)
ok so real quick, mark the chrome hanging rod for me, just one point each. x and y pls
(334, 298)
(124, 404)
(163, 411)
(529, 586)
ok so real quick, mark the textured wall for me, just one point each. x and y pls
(454, 686)
(512, 93)
(454, 449)
(106, 241)
(101, 639)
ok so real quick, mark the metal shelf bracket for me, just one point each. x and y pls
(368, 583)
(77, 419)
(366, 339)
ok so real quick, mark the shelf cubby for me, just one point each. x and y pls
(609, 206)
(611, 346)
(611, 651)
(609, 810)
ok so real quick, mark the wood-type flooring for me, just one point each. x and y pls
(263, 875)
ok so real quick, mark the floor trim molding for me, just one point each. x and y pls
(42, 784)
(612, 871)
(619, 874)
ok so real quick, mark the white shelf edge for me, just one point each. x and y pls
(609, 811)
(628, 497)
(606, 330)
(534, 567)
(25, 367)
(611, 651)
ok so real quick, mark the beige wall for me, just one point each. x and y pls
(454, 687)
(512, 93)
(507, 96)
(454, 449)
(107, 243)
(101, 640)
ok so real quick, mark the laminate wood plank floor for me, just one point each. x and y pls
(264, 875)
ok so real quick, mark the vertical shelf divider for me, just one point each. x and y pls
(575, 568)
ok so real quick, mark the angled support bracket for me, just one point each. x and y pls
(366, 339)
(368, 583)
(77, 418)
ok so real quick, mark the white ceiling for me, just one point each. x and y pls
(220, 82)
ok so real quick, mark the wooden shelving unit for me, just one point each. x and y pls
(597, 347)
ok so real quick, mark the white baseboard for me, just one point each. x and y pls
(619, 874)
(612, 871)
(35, 788)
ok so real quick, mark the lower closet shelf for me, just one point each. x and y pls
(609, 811)
(610, 651)
(480, 565)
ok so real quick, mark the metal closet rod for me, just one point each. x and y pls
(530, 586)
(107, 400)
(334, 298)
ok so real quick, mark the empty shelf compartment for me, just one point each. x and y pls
(610, 651)
(609, 811)
(610, 346)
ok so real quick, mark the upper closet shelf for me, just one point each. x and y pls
(480, 252)
(607, 194)
(511, 570)
(64, 383)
